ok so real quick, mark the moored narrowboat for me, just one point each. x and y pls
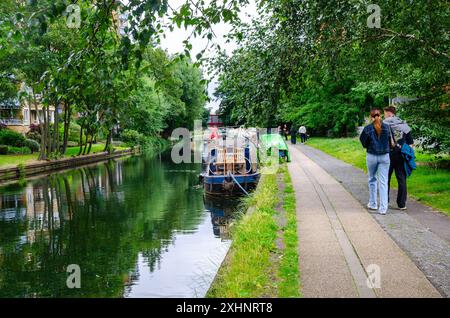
(230, 162)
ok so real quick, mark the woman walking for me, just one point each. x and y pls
(375, 138)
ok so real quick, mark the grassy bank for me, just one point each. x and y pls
(13, 160)
(428, 184)
(255, 266)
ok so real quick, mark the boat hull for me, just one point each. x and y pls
(225, 185)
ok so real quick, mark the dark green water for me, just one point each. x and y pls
(137, 227)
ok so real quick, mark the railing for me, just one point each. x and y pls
(11, 121)
(10, 104)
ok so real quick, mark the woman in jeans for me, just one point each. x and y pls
(375, 138)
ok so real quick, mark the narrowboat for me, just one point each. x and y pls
(230, 161)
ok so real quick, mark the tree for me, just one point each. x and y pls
(318, 62)
(97, 71)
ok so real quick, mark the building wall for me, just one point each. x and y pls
(19, 128)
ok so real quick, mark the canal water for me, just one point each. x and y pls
(136, 227)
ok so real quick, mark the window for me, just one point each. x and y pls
(26, 116)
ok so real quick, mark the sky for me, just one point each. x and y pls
(173, 43)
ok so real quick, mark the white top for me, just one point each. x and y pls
(302, 130)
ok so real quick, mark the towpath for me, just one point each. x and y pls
(345, 251)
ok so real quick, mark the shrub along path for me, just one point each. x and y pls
(340, 242)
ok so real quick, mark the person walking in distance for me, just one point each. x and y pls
(293, 134)
(375, 138)
(285, 132)
(400, 134)
(302, 132)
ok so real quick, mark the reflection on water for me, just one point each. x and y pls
(222, 213)
(137, 227)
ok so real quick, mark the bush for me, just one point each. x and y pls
(35, 132)
(32, 144)
(35, 128)
(11, 138)
(132, 137)
(3, 149)
(34, 136)
(19, 151)
(74, 133)
(3, 126)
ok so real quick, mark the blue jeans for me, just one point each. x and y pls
(378, 167)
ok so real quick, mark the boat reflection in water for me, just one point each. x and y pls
(222, 214)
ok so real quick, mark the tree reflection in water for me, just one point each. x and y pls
(100, 217)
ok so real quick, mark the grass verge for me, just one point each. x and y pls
(248, 269)
(14, 160)
(428, 184)
(288, 285)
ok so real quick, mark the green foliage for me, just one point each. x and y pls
(97, 71)
(429, 119)
(18, 150)
(332, 110)
(11, 138)
(133, 137)
(110, 148)
(3, 149)
(34, 135)
(74, 132)
(32, 144)
(317, 63)
(169, 95)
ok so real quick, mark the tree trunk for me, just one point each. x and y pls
(90, 144)
(44, 136)
(81, 141)
(41, 128)
(108, 141)
(55, 143)
(47, 128)
(87, 141)
(67, 118)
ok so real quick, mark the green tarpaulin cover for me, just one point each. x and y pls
(275, 140)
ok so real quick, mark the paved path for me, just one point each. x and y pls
(422, 233)
(339, 242)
